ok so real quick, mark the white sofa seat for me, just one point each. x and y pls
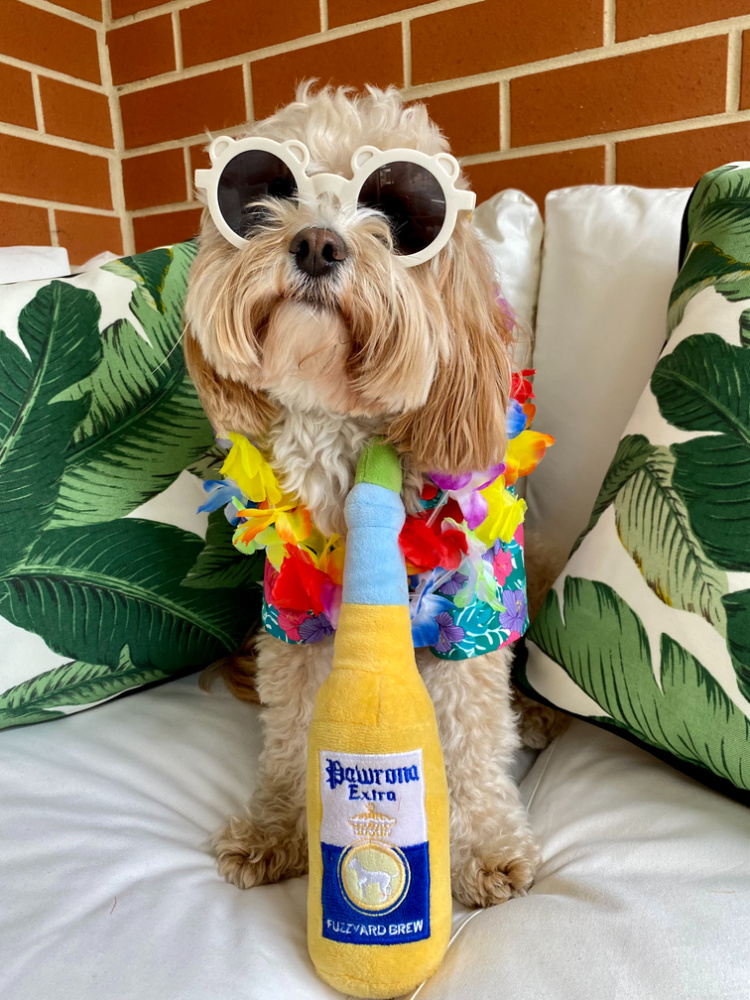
(109, 889)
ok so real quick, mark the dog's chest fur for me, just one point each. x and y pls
(315, 455)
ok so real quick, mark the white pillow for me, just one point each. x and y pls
(32, 263)
(511, 228)
(608, 265)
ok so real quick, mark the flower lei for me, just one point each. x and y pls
(455, 547)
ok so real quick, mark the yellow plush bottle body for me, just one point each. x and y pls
(379, 902)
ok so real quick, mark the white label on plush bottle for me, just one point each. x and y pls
(376, 880)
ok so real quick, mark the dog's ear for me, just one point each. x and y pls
(461, 427)
(229, 405)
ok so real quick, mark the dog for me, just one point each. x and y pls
(366, 877)
(306, 333)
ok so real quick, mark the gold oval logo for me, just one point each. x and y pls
(374, 877)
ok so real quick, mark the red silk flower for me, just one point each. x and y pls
(520, 387)
(299, 585)
(425, 546)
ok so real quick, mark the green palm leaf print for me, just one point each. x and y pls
(74, 683)
(602, 644)
(703, 386)
(145, 423)
(90, 591)
(60, 333)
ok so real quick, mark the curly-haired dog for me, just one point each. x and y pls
(310, 336)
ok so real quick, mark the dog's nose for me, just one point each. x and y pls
(317, 251)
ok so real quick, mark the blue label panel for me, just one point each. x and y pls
(364, 903)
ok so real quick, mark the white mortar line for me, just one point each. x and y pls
(51, 73)
(62, 206)
(52, 222)
(416, 91)
(586, 141)
(19, 132)
(115, 166)
(37, 102)
(170, 5)
(173, 206)
(188, 170)
(177, 39)
(406, 53)
(610, 163)
(323, 16)
(610, 22)
(247, 86)
(68, 15)
(734, 70)
(557, 145)
(504, 86)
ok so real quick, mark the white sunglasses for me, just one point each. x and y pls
(415, 192)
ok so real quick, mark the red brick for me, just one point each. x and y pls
(140, 50)
(45, 39)
(745, 84)
(75, 113)
(637, 18)
(349, 11)
(470, 119)
(84, 236)
(645, 88)
(370, 57)
(213, 101)
(23, 226)
(169, 227)
(199, 158)
(536, 175)
(681, 158)
(224, 28)
(16, 97)
(89, 8)
(37, 170)
(121, 8)
(500, 33)
(154, 179)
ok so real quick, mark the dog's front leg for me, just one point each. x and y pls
(493, 852)
(269, 841)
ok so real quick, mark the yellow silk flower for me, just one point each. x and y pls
(524, 453)
(252, 473)
(505, 513)
(291, 521)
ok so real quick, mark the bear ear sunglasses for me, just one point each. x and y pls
(414, 191)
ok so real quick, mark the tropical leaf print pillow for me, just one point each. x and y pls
(108, 580)
(647, 630)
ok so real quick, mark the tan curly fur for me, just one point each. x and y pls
(312, 371)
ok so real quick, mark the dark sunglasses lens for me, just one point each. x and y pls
(248, 178)
(412, 199)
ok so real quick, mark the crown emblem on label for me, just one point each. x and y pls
(372, 824)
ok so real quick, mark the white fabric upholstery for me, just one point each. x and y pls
(608, 265)
(511, 226)
(32, 263)
(643, 893)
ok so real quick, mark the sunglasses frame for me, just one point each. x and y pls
(296, 156)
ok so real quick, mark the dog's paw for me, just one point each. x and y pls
(248, 857)
(494, 877)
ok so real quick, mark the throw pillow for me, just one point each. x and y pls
(107, 582)
(647, 630)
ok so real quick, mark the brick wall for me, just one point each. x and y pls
(104, 104)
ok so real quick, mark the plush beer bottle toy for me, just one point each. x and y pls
(379, 904)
